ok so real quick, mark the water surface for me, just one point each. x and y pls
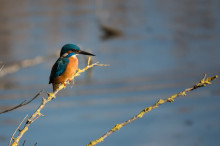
(164, 47)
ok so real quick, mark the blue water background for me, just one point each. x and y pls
(164, 47)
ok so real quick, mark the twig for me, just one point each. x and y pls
(16, 130)
(23, 103)
(23, 142)
(24, 64)
(2, 67)
(202, 83)
(51, 96)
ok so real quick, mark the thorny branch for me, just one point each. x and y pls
(202, 83)
(16, 130)
(9, 69)
(51, 96)
(23, 103)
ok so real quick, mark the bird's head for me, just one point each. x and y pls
(73, 49)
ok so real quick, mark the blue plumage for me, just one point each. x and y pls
(65, 67)
(58, 68)
(68, 47)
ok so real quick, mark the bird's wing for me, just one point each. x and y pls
(58, 68)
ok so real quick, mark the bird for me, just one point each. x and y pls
(66, 65)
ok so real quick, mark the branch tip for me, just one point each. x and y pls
(202, 83)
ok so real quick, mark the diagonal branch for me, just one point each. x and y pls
(1, 67)
(202, 83)
(51, 96)
(23, 103)
(24, 64)
(16, 130)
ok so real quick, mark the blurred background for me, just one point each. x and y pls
(155, 48)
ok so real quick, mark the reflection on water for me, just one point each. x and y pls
(163, 47)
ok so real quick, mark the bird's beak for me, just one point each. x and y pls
(84, 53)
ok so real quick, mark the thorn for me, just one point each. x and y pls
(51, 95)
(28, 121)
(160, 101)
(42, 115)
(89, 60)
(182, 93)
(170, 100)
(117, 127)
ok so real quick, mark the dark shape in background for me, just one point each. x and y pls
(109, 32)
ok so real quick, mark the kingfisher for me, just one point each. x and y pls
(66, 65)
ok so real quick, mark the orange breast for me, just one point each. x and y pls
(69, 71)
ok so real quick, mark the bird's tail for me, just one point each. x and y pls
(55, 87)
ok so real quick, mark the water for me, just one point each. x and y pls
(164, 47)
